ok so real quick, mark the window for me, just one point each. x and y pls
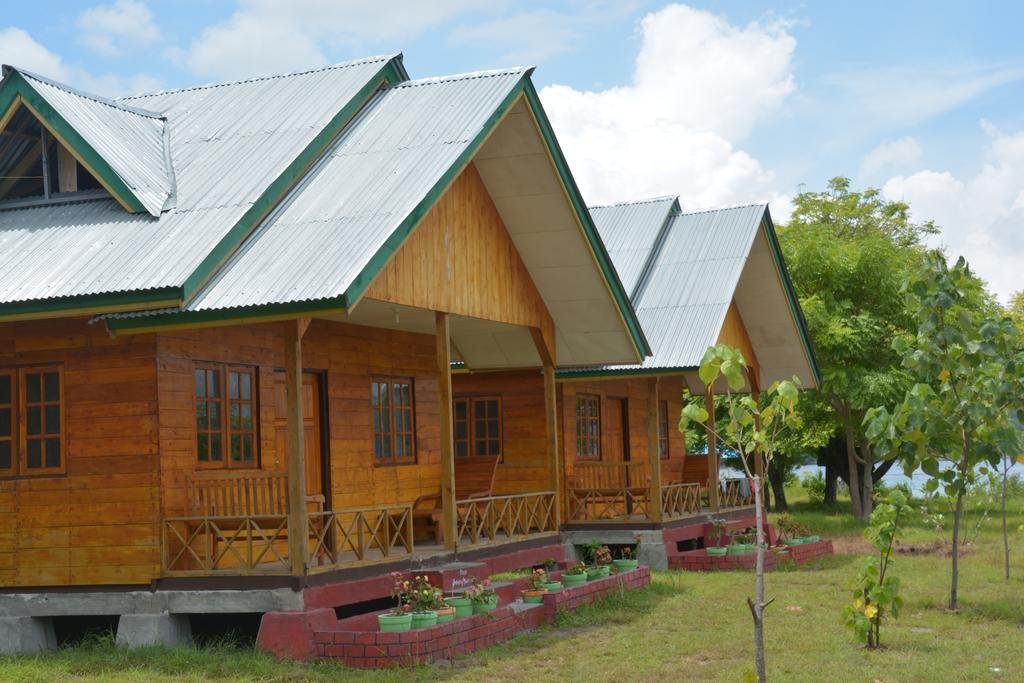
(663, 429)
(226, 410)
(478, 426)
(32, 421)
(394, 442)
(588, 427)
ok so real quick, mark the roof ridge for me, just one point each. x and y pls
(99, 99)
(266, 77)
(469, 75)
(650, 200)
(719, 208)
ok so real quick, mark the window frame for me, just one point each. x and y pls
(663, 442)
(225, 431)
(392, 435)
(471, 425)
(19, 437)
(585, 435)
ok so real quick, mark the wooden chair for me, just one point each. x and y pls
(611, 487)
(474, 478)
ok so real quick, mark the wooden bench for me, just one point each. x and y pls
(613, 487)
(474, 478)
(258, 495)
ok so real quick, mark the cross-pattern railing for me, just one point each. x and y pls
(240, 545)
(360, 535)
(736, 493)
(680, 500)
(597, 491)
(504, 518)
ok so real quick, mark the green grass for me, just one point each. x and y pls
(687, 627)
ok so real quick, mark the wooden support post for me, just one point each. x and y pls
(713, 486)
(444, 381)
(653, 449)
(67, 170)
(298, 523)
(551, 425)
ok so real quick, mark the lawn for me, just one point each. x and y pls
(689, 626)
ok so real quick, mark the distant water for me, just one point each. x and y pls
(896, 476)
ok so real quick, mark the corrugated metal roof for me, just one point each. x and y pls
(228, 143)
(693, 273)
(132, 141)
(629, 231)
(344, 210)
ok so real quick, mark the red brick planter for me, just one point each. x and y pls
(700, 561)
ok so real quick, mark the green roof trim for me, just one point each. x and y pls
(15, 86)
(611, 373)
(83, 305)
(390, 73)
(787, 284)
(146, 320)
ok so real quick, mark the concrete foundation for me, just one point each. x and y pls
(652, 545)
(26, 635)
(142, 630)
(79, 603)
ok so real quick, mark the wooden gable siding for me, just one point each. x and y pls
(460, 259)
(97, 523)
(348, 356)
(734, 333)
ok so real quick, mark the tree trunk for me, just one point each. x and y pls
(851, 457)
(957, 513)
(757, 605)
(1006, 536)
(867, 482)
(831, 486)
(777, 478)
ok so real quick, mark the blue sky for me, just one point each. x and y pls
(719, 102)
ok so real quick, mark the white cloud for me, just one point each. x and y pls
(110, 29)
(982, 216)
(20, 49)
(700, 86)
(891, 155)
(527, 38)
(269, 36)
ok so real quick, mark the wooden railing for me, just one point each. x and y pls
(600, 491)
(736, 493)
(360, 535)
(679, 500)
(504, 518)
(241, 545)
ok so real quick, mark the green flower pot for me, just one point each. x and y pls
(486, 606)
(625, 565)
(606, 570)
(534, 597)
(813, 539)
(741, 549)
(594, 573)
(463, 606)
(570, 580)
(391, 623)
(717, 551)
(553, 586)
(445, 615)
(424, 619)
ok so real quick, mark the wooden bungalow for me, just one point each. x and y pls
(228, 317)
(695, 279)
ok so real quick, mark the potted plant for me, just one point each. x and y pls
(626, 560)
(482, 595)
(718, 532)
(422, 599)
(575, 575)
(535, 590)
(400, 619)
(741, 544)
(792, 532)
(462, 604)
(445, 612)
(603, 559)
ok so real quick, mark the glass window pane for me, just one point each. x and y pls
(378, 449)
(53, 452)
(407, 439)
(213, 383)
(236, 415)
(236, 447)
(216, 453)
(6, 421)
(460, 430)
(33, 421)
(385, 450)
(33, 391)
(35, 454)
(492, 429)
(460, 449)
(375, 394)
(202, 422)
(399, 448)
(460, 410)
(214, 411)
(247, 387)
(232, 385)
(247, 416)
(200, 383)
(247, 450)
(5, 455)
(53, 419)
(204, 448)
(52, 386)
(6, 389)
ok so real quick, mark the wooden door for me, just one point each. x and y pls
(311, 409)
(616, 430)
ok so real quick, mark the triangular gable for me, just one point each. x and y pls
(631, 232)
(125, 149)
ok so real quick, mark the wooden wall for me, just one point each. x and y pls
(96, 524)
(461, 259)
(734, 333)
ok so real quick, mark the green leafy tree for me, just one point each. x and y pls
(877, 590)
(967, 373)
(848, 254)
(753, 425)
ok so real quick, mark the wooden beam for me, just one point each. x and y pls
(653, 450)
(547, 355)
(67, 170)
(551, 425)
(709, 398)
(298, 524)
(444, 381)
